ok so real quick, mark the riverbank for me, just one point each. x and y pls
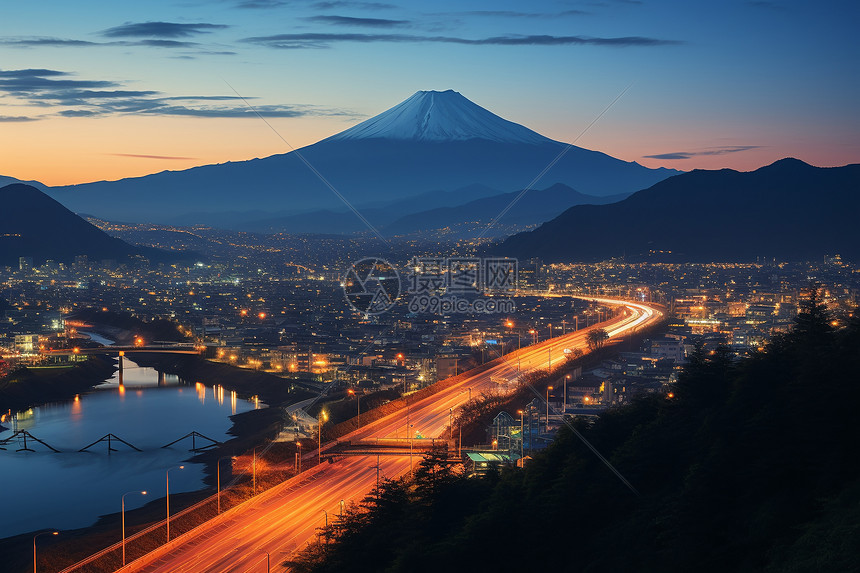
(269, 388)
(31, 387)
(249, 430)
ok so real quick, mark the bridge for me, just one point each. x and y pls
(387, 447)
(114, 350)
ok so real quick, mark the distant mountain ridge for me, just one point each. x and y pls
(520, 209)
(788, 210)
(470, 211)
(432, 142)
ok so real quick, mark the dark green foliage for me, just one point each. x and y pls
(753, 466)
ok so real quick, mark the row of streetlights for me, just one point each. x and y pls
(122, 517)
(167, 502)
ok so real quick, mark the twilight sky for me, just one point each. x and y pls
(93, 90)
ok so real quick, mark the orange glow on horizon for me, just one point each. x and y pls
(123, 146)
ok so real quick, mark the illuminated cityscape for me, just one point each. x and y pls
(349, 286)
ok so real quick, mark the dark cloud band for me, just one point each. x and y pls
(321, 40)
(365, 22)
(676, 155)
(160, 30)
(96, 98)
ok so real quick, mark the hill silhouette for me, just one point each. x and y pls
(34, 225)
(789, 210)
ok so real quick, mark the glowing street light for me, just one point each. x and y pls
(218, 478)
(34, 545)
(351, 392)
(322, 418)
(522, 431)
(122, 499)
(254, 472)
(564, 398)
(411, 434)
(548, 389)
(167, 497)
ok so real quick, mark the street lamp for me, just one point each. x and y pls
(326, 525)
(341, 509)
(522, 431)
(411, 433)
(34, 545)
(254, 473)
(323, 418)
(298, 458)
(167, 497)
(218, 478)
(564, 398)
(122, 499)
(352, 392)
(548, 388)
(450, 423)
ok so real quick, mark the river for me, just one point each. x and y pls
(71, 489)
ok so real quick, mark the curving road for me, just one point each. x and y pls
(286, 517)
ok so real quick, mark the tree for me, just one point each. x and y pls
(596, 338)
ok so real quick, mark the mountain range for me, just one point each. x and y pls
(35, 225)
(467, 217)
(431, 143)
(788, 210)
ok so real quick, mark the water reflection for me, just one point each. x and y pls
(71, 489)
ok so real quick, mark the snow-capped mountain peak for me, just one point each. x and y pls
(435, 116)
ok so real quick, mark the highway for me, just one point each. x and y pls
(286, 517)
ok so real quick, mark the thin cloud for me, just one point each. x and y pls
(99, 98)
(66, 43)
(676, 155)
(160, 30)
(167, 44)
(515, 14)
(16, 119)
(324, 40)
(77, 113)
(261, 4)
(140, 156)
(46, 42)
(32, 72)
(352, 5)
(364, 22)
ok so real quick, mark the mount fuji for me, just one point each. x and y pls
(432, 142)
